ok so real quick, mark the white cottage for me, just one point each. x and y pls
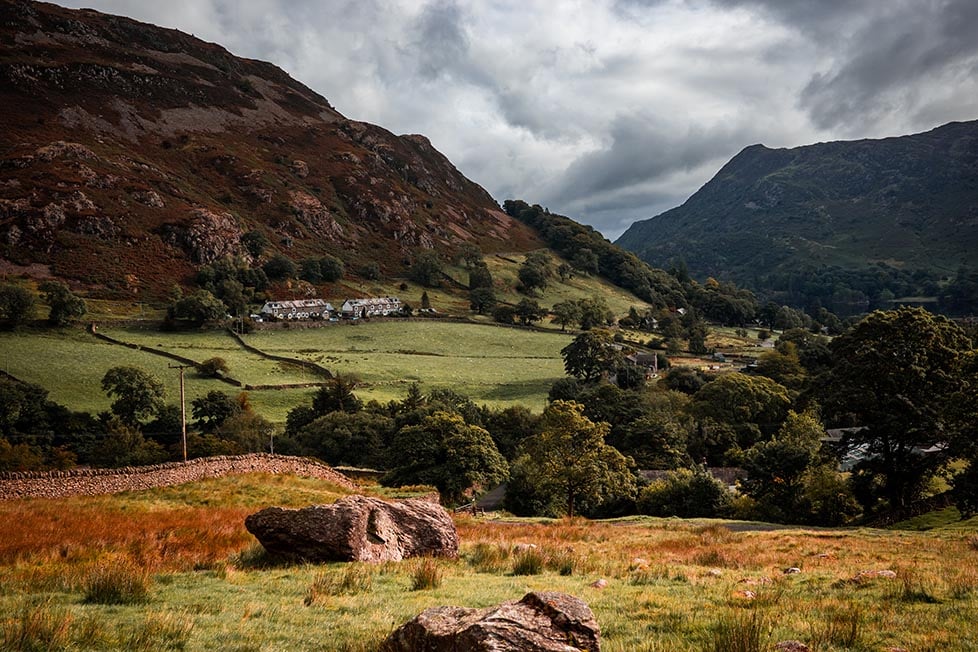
(370, 307)
(300, 309)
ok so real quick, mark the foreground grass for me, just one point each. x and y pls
(671, 584)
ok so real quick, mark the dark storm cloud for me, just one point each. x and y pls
(442, 43)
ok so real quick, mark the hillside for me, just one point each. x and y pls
(133, 154)
(772, 219)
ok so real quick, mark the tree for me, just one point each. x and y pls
(331, 268)
(776, 468)
(782, 366)
(585, 261)
(197, 308)
(255, 243)
(470, 255)
(532, 277)
(895, 373)
(482, 299)
(248, 431)
(566, 313)
(425, 301)
(443, 450)
(594, 312)
(213, 409)
(65, 306)
(590, 354)
(16, 305)
(480, 277)
(137, 393)
(426, 269)
(337, 396)
(752, 406)
(504, 314)
(568, 466)
(279, 268)
(310, 270)
(359, 439)
(529, 311)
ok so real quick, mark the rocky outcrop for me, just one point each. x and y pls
(356, 528)
(539, 622)
(209, 236)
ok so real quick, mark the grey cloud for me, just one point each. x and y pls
(891, 63)
(442, 43)
(644, 147)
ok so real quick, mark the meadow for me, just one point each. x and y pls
(493, 365)
(174, 569)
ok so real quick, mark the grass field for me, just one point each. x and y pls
(493, 365)
(490, 364)
(672, 585)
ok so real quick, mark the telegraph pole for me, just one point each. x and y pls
(183, 407)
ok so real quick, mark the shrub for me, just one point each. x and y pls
(117, 583)
(685, 493)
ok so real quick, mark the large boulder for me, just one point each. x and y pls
(539, 622)
(357, 528)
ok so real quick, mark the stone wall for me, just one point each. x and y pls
(91, 482)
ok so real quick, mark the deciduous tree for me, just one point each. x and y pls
(137, 394)
(568, 464)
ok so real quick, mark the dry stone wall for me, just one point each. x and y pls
(92, 482)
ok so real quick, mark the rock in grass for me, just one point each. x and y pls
(356, 528)
(539, 622)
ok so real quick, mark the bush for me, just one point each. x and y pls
(687, 493)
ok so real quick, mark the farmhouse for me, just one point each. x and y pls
(301, 309)
(370, 307)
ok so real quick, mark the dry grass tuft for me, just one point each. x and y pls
(427, 574)
(37, 627)
(356, 578)
(117, 582)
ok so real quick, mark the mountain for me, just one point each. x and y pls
(893, 216)
(132, 154)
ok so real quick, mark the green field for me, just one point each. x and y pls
(493, 365)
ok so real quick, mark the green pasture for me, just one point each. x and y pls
(494, 365)
(70, 364)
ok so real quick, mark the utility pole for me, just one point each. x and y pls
(183, 407)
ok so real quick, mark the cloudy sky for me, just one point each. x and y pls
(608, 111)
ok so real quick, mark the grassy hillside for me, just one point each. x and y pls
(672, 585)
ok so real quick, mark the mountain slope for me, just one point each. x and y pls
(899, 204)
(133, 153)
